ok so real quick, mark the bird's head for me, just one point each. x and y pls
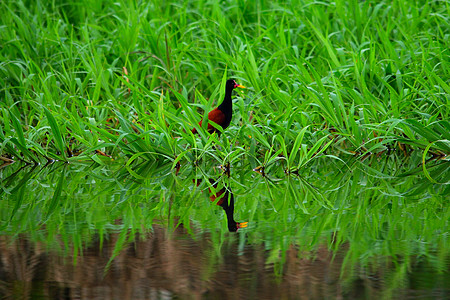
(231, 85)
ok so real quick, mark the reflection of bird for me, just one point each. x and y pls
(223, 113)
(226, 201)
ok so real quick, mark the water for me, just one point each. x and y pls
(360, 228)
(163, 265)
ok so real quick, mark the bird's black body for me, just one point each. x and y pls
(223, 114)
(227, 104)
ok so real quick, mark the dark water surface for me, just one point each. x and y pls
(176, 266)
(359, 229)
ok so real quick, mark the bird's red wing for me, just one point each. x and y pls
(217, 116)
(194, 131)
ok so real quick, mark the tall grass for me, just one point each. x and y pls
(132, 79)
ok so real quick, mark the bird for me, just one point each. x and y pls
(223, 113)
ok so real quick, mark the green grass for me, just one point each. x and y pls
(370, 75)
(350, 98)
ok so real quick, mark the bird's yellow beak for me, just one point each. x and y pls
(240, 86)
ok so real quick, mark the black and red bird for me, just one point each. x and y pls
(223, 113)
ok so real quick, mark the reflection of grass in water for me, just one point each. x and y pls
(370, 210)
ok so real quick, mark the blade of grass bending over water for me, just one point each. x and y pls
(296, 147)
(433, 133)
(425, 171)
(20, 141)
(57, 134)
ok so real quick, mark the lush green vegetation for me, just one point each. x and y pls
(129, 79)
(346, 116)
